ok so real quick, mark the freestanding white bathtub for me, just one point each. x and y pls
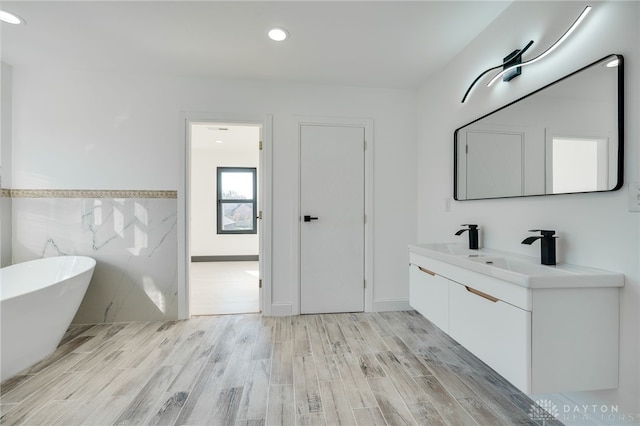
(38, 300)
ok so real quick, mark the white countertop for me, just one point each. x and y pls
(522, 270)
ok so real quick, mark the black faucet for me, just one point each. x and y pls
(547, 245)
(473, 235)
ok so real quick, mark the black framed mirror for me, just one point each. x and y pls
(564, 138)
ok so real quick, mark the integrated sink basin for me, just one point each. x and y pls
(522, 270)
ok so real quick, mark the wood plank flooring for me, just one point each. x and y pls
(389, 368)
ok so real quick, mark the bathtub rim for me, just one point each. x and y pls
(85, 263)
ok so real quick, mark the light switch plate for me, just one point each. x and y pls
(447, 205)
(634, 196)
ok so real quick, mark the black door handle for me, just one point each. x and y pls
(309, 218)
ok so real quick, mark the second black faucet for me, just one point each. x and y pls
(547, 245)
(473, 235)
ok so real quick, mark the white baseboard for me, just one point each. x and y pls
(281, 309)
(401, 304)
(380, 305)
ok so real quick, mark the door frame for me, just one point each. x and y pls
(367, 124)
(265, 179)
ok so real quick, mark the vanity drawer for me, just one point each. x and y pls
(429, 295)
(508, 292)
(495, 331)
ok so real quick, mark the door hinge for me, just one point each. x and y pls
(365, 145)
(260, 215)
(466, 149)
(260, 283)
(365, 283)
(260, 146)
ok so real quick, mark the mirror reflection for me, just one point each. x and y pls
(563, 138)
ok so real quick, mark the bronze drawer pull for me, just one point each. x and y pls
(426, 271)
(481, 294)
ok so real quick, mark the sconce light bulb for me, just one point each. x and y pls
(613, 63)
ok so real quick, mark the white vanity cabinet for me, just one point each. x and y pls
(551, 336)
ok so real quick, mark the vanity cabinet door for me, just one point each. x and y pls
(496, 332)
(429, 295)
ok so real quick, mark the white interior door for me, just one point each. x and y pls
(332, 208)
(261, 206)
(494, 164)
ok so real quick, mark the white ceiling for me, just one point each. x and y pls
(225, 138)
(394, 44)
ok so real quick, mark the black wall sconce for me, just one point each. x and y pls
(512, 64)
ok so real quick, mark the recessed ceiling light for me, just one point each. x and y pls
(278, 34)
(218, 141)
(10, 18)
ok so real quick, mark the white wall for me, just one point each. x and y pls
(5, 163)
(6, 73)
(594, 229)
(205, 159)
(86, 130)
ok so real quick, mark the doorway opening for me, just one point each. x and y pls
(224, 218)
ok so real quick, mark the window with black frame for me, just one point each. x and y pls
(237, 200)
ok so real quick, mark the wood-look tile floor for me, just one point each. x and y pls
(389, 368)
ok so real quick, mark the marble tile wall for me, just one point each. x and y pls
(134, 241)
